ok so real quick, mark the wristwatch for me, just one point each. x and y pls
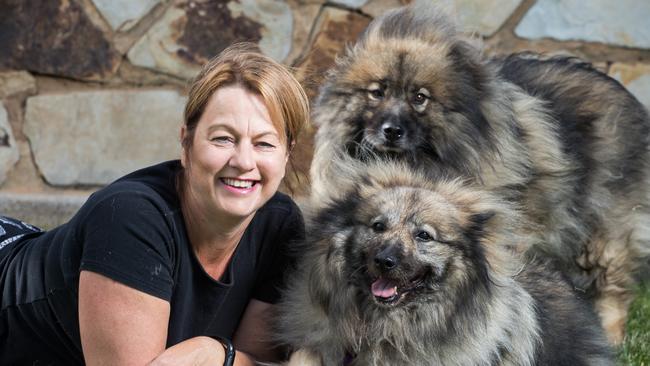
(229, 359)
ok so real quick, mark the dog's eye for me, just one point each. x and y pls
(376, 94)
(424, 236)
(419, 99)
(378, 227)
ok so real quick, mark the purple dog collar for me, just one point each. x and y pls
(347, 360)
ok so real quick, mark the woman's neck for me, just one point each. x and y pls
(213, 238)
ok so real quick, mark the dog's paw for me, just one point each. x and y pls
(302, 357)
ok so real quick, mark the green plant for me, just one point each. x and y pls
(635, 351)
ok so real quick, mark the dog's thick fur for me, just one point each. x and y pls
(461, 295)
(563, 140)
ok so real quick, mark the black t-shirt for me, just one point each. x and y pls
(133, 232)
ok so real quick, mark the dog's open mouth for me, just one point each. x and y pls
(389, 148)
(389, 292)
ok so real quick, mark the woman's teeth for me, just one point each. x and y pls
(238, 183)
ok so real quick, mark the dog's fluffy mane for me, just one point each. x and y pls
(330, 224)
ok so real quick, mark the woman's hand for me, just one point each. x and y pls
(198, 351)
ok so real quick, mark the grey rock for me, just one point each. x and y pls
(636, 78)
(92, 138)
(190, 33)
(484, 17)
(335, 28)
(54, 37)
(15, 83)
(623, 22)
(304, 17)
(350, 3)
(375, 8)
(41, 210)
(122, 15)
(641, 89)
(8, 149)
(276, 20)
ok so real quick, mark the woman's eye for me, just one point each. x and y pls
(266, 145)
(221, 139)
(424, 236)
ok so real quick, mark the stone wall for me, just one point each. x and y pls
(92, 89)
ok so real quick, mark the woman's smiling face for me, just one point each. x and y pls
(237, 159)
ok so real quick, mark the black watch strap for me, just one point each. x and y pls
(229, 358)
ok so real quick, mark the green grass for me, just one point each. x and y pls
(636, 348)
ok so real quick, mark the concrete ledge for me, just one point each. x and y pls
(43, 210)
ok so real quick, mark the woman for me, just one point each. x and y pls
(169, 263)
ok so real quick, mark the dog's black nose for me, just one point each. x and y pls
(386, 263)
(387, 259)
(392, 131)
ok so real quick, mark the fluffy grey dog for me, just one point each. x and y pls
(403, 270)
(564, 141)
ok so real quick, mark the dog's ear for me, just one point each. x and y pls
(472, 78)
(478, 223)
(483, 217)
(468, 61)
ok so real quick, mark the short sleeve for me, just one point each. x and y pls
(128, 237)
(272, 276)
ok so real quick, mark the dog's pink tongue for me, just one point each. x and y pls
(384, 288)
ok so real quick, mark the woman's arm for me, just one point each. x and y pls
(252, 341)
(123, 326)
(119, 325)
